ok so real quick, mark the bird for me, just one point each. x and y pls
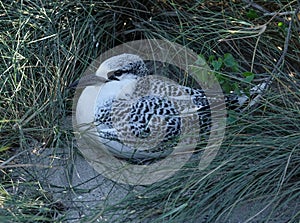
(142, 116)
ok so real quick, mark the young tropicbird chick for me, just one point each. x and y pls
(142, 116)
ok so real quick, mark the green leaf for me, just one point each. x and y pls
(230, 62)
(249, 78)
(211, 58)
(251, 14)
(217, 64)
(247, 73)
(236, 88)
(220, 78)
(226, 87)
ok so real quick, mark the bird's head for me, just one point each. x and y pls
(116, 68)
(123, 66)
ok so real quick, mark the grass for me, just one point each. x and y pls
(47, 45)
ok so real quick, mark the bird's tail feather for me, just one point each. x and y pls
(240, 102)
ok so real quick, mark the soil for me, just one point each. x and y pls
(82, 191)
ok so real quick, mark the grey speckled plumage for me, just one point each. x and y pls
(145, 120)
(151, 115)
(141, 115)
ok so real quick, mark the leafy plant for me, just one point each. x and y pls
(229, 84)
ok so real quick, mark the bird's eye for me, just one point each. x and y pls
(118, 73)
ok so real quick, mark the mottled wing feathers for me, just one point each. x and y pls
(155, 116)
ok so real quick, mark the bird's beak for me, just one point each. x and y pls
(88, 80)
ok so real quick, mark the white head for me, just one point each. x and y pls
(116, 68)
(123, 66)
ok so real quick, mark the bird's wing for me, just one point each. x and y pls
(144, 123)
(158, 115)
